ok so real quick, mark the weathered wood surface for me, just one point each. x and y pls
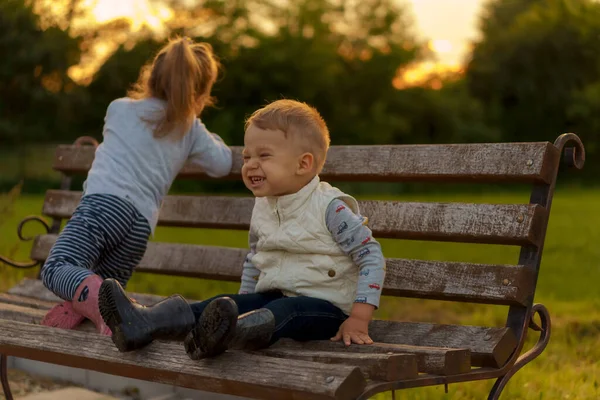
(488, 162)
(515, 224)
(386, 367)
(441, 361)
(478, 283)
(28, 285)
(231, 373)
(488, 346)
(33, 293)
(433, 360)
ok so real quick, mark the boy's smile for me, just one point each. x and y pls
(273, 163)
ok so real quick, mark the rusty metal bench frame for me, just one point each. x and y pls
(514, 286)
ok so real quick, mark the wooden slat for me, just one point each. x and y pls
(433, 360)
(32, 293)
(488, 346)
(476, 283)
(386, 367)
(233, 373)
(488, 162)
(514, 224)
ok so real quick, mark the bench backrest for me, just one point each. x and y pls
(507, 224)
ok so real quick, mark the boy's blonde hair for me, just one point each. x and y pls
(182, 74)
(298, 120)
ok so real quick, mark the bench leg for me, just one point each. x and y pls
(4, 377)
(531, 354)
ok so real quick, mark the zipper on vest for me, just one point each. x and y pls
(277, 213)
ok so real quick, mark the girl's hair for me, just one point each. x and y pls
(182, 74)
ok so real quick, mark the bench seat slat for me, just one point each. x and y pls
(480, 162)
(433, 360)
(27, 302)
(385, 367)
(232, 373)
(490, 347)
(477, 283)
(514, 224)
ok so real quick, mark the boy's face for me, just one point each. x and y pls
(273, 166)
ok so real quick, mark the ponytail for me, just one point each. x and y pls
(182, 75)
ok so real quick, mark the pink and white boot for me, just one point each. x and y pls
(63, 316)
(85, 302)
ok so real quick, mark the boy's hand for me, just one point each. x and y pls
(356, 328)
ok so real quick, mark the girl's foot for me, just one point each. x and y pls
(85, 302)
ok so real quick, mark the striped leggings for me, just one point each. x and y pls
(106, 236)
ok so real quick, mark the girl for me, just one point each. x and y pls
(148, 137)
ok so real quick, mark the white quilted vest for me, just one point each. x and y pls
(296, 252)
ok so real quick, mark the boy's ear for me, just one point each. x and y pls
(305, 163)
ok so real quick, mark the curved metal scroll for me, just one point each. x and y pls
(32, 263)
(573, 156)
(86, 140)
(535, 351)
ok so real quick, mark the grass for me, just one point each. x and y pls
(568, 286)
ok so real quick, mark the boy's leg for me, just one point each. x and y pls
(300, 318)
(244, 302)
(216, 321)
(305, 318)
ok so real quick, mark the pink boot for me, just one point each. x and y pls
(63, 316)
(85, 302)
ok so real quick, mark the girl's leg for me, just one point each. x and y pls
(99, 223)
(69, 263)
(120, 262)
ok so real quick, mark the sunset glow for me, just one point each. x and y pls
(139, 12)
(447, 27)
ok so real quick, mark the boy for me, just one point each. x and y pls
(313, 272)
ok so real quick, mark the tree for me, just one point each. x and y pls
(340, 58)
(34, 85)
(533, 58)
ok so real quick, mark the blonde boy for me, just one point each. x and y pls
(314, 271)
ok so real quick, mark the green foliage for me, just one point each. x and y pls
(34, 85)
(534, 59)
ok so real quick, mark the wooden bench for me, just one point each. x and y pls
(406, 354)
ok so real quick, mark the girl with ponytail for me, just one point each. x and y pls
(147, 138)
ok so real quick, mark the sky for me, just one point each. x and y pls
(450, 24)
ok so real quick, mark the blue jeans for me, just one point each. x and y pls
(300, 318)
